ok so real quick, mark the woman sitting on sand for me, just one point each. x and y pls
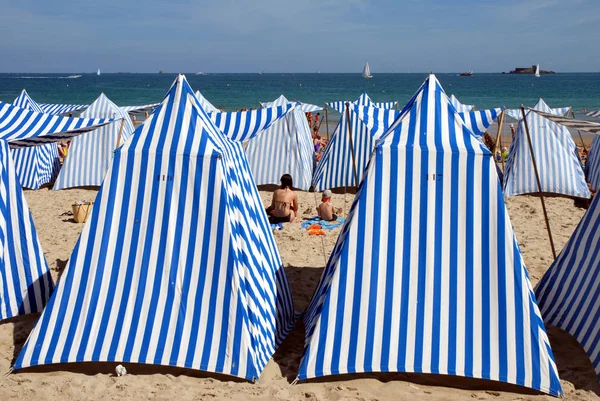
(284, 205)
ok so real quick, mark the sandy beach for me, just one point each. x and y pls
(304, 257)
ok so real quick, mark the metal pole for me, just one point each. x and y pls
(326, 123)
(537, 178)
(499, 139)
(351, 146)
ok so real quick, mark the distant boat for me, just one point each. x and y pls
(98, 72)
(466, 74)
(260, 73)
(367, 71)
(537, 71)
(201, 73)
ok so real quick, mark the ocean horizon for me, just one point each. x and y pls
(233, 91)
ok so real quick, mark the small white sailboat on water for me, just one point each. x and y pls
(537, 71)
(367, 71)
(98, 73)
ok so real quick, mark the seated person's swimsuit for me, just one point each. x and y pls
(275, 219)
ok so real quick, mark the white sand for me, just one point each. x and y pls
(304, 261)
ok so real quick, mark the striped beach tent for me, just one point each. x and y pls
(206, 105)
(286, 147)
(426, 275)
(90, 154)
(478, 121)
(57, 109)
(556, 158)
(592, 166)
(25, 281)
(569, 292)
(35, 165)
(176, 264)
(140, 109)
(23, 128)
(594, 113)
(336, 167)
(516, 114)
(282, 101)
(461, 108)
(363, 100)
(244, 125)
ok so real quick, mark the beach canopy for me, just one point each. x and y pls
(282, 101)
(461, 108)
(286, 147)
(22, 128)
(336, 167)
(35, 165)
(478, 121)
(139, 109)
(558, 111)
(569, 293)
(555, 154)
(426, 275)
(25, 281)
(177, 264)
(90, 154)
(56, 109)
(363, 100)
(244, 125)
(592, 165)
(580, 125)
(206, 105)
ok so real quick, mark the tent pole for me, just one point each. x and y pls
(351, 146)
(120, 134)
(579, 132)
(326, 122)
(499, 139)
(537, 177)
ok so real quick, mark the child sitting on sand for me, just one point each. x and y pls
(326, 209)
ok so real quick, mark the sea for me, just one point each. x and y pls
(236, 91)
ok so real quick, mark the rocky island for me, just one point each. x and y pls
(528, 70)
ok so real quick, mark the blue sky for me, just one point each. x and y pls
(298, 36)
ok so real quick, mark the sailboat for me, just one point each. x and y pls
(98, 73)
(367, 71)
(537, 71)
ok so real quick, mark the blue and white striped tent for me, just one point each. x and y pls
(35, 165)
(461, 108)
(479, 121)
(282, 100)
(516, 114)
(592, 166)
(595, 113)
(336, 168)
(56, 109)
(139, 109)
(285, 147)
(25, 281)
(569, 292)
(206, 105)
(426, 275)
(177, 264)
(556, 157)
(90, 154)
(244, 125)
(23, 128)
(363, 100)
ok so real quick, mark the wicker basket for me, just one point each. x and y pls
(81, 211)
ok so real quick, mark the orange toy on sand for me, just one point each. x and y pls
(315, 229)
